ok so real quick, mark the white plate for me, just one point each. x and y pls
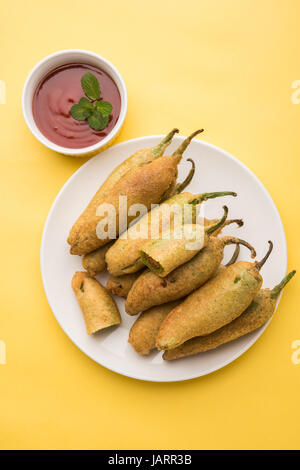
(216, 170)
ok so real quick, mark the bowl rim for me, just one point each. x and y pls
(27, 113)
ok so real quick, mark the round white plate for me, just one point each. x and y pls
(216, 170)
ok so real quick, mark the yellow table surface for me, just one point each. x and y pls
(227, 66)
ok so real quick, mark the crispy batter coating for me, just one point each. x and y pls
(147, 185)
(124, 255)
(143, 333)
(145, 329)
(150, 290)
(94, 262)
(217, 303)
(174, 248)
(121, 285)
(138, 159)
(177, 246)
(258, 313)
(98, 307)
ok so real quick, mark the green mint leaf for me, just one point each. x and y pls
(79, 113)
(86, 104)
(90, 86)
(104, 107)
(97, 121)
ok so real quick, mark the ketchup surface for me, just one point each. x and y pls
(56, 94)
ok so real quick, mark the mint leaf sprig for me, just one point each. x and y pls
(94, 109)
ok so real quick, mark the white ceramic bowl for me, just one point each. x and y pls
(50, 63)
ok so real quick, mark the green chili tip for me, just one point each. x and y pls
(239, 222)
(220, 222)
(165, 142)
(260, 264)
(179, 151)
(204, 196)
(238, 241)
(181, 186)
(277, 289)
(234, 256)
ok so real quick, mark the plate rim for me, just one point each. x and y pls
(120, 371)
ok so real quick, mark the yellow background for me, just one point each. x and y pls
(226, 65)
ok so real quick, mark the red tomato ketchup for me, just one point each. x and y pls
(58, 92)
